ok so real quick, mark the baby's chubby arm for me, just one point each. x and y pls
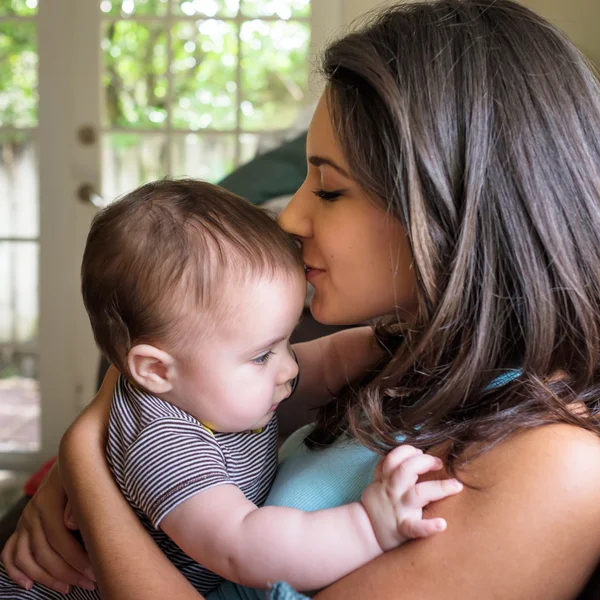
(330, 362)
(229, 535)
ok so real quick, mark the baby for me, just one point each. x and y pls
(193, 294)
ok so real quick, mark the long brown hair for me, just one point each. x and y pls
(476, 124)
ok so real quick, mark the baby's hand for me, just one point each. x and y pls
(394, 500)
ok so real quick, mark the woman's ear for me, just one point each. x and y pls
(151, 368)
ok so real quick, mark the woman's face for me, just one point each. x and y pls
(358, 257)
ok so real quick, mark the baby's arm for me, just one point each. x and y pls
(330, 362)
(229, 535)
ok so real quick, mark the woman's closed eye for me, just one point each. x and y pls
(263, 358)
(326, 195)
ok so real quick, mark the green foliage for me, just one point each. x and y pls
(274, 72)
(18, 73)
(135, 64)
(18, 8)
(204, 57)
(127, 8)
(217, 65)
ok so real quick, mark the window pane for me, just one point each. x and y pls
(133, 8)
(18, 292)
(19, 401)
(274, 73)
(135, 82)
(19, 390)
(204, 74)
(207, 8)
(18, 74)
(284, 9)
(19, 215)
(19, 8)
(128, 160)
(254, 144)
(208, 157)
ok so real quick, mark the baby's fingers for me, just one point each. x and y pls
(406, 475)
(420, 528)
(396, 457)
(422, 494)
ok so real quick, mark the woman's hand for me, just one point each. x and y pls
(42, 549)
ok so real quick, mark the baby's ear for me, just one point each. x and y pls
(151, 368)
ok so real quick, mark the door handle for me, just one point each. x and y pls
(87, 193)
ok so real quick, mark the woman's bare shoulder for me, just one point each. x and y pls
(545, 456)
(528, 528)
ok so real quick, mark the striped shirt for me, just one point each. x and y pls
(161, 456)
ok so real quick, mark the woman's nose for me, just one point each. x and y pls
(295, 218)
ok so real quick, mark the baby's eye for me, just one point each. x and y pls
(263, 358)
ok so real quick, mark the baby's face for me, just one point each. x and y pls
(235, 378)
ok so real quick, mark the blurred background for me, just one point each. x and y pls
(99, 96)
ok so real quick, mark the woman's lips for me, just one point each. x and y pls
(312, 273)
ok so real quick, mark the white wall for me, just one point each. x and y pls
(355, 8)
(579, 19)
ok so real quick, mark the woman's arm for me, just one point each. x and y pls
(127, 563)
(532, 531)
(330, 362)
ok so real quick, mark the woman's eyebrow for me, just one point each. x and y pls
(318, 161)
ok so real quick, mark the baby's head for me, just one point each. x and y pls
(193, 292)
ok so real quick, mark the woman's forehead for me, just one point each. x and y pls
(321, 139)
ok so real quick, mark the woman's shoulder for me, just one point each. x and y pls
(552, 471)
(562, 457)
(541, 487)
(529, 527)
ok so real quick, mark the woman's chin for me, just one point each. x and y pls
(327, 313)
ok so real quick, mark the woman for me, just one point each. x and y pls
(454, 189)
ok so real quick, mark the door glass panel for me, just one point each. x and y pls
(18, 292)
(284, 9)
(207, 8)
(130, 159)
(18, 74)
(135, 81)
(19, 402)
(19, 388)
(274, 73)
(18, 8)
(18, 186)
(204, 66)
(134, 8)
(253, 144)
(208, 157)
